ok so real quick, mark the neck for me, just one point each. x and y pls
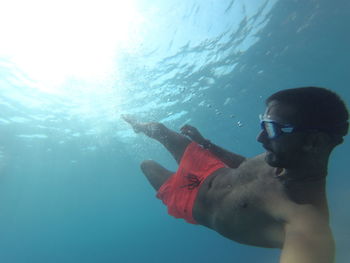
(311, 169)
(306, 187)
(304, 176)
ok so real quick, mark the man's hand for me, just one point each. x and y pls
(193, 133)
(232, 160)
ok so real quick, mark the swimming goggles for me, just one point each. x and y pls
(273, 128)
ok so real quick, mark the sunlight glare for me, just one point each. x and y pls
(52, 41)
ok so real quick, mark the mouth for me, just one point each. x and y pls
(267, 148)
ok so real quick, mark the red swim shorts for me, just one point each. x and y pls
(179, 192)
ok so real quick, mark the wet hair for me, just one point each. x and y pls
(317, 108)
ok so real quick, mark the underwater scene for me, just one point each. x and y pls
(71, 187)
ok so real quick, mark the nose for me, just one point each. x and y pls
(261, 136)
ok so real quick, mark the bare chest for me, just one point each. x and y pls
(237, 204)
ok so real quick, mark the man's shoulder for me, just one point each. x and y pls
(253, 169)
(256, 163)
(255, 159)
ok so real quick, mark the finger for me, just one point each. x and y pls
(186, 126)
(186, 132)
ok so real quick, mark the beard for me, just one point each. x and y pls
(279, 160)
(271, 159)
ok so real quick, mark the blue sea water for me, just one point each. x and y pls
(70, 185)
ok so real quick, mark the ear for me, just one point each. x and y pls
(316, 142)
(308, 144)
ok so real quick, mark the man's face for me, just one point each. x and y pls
(286, 150)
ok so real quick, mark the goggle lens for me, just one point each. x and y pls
(270, 129)
(273, 129)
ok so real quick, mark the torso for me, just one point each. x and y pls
(241, 203)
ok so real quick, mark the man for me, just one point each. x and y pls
(276, 199)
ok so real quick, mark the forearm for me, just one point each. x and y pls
(232, 160)
(308, 242)
(305, 249)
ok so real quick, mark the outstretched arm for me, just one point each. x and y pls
(230, 159)
(308, 239)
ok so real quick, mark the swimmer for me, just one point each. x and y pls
(274, 200)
